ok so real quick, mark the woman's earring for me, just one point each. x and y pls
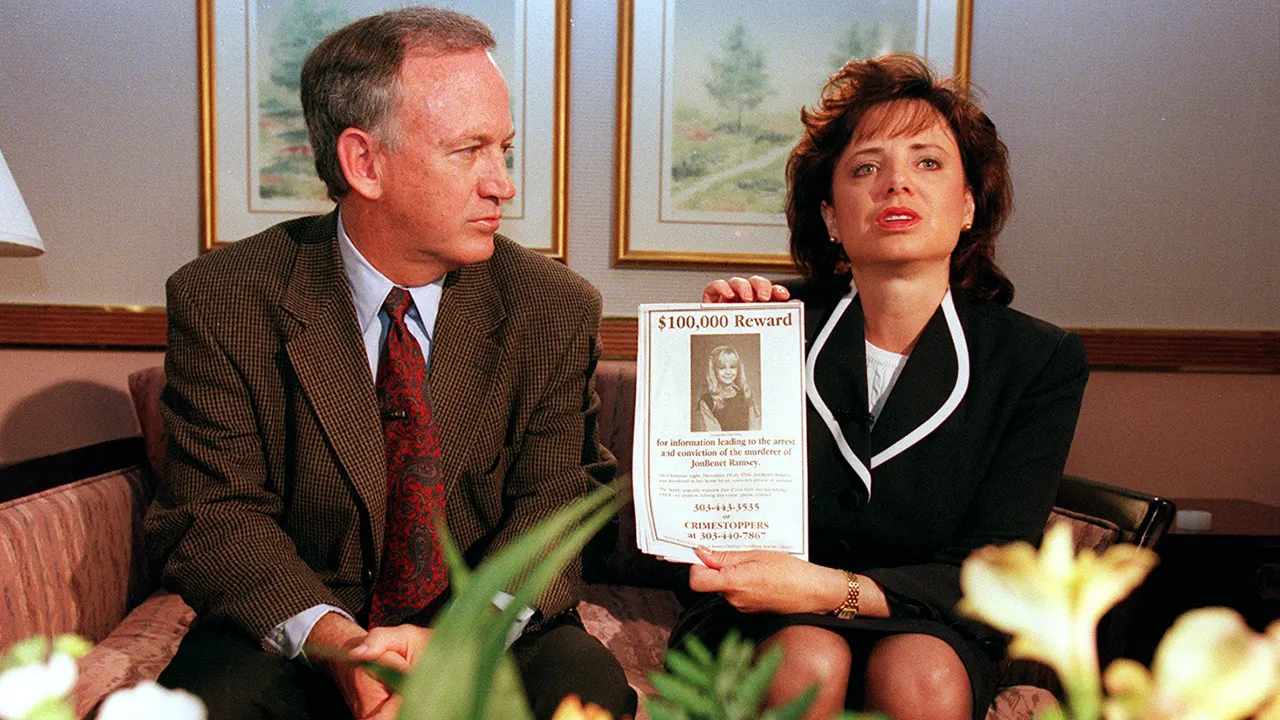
(834, 240)
(966, 227)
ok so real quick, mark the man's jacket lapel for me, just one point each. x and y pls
(329, 360)
(464, 357)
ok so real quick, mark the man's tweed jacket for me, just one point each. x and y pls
(274, 493)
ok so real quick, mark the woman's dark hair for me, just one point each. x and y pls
(846, 98)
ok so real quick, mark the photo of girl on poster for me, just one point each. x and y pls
(726, 402)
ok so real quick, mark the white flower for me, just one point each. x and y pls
(24, 687)
(1050, 602)
(149, 701)
(1209, 666)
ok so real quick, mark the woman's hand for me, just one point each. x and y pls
(736, 289)
(768, 581)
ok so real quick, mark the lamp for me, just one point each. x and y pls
(18, 236)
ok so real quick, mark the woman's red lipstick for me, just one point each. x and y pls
(897, 218)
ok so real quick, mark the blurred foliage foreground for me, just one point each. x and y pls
(1209, 666)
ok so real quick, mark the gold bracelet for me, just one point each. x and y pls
(849, 608)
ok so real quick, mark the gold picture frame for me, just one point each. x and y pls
(233, 203)
(689, 211)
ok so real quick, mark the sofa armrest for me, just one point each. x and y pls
(138, 649)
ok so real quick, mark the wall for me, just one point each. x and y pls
(57, 400)
(1185, 435)
(1144, 191)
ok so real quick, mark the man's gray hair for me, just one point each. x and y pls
(352, 78)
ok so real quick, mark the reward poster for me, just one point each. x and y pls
(720, 450)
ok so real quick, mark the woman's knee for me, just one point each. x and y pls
(917, 676)
(810, 655)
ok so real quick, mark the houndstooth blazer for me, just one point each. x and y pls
(274, 494)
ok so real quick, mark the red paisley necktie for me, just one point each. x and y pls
(413, 568)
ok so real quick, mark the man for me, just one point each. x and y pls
(297, 433)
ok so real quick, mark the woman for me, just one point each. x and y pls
(727, 405)
(939, 419)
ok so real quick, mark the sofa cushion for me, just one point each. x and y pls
(634, 624)
(1021, 702)
(613, 557)
(1091, 532)
(63, 566)
(616, 386)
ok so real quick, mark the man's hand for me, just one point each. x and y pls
(756, 581)
(397, 647)
(736, 289)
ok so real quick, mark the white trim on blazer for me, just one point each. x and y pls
(921, 431)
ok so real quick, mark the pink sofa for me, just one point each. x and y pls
(71, 560)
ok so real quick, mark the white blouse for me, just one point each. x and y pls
(883, 369)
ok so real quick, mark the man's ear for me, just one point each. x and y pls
(360, 156)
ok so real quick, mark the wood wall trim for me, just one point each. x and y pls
(116, 327)
(143, 328)
(1107, 348)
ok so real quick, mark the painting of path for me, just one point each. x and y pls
(736, 81)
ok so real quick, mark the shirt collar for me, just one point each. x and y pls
(369, 288)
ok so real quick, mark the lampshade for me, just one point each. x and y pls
(18, 236)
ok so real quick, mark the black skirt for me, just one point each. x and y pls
(711, 617)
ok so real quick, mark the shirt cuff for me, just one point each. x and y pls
(289, 636)
(502, 600)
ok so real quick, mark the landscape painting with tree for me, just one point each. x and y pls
(257, 167)
(716, 88)
(282, 164)
(740, 75)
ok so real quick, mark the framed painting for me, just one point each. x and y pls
(709, 99)
(256, 165)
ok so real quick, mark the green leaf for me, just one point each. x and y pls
(459, 571)
(732, 663)
(464, 671)
(562, 549)
(754, 685)
(541, 575)
(683, 694)
(390, 677)
(794, 709)
(659, 710)
(698, 651)
(505, 692)
(688, 669)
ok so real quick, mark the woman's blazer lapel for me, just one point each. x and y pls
(932, 383)
(840, 375)
(923, 387)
